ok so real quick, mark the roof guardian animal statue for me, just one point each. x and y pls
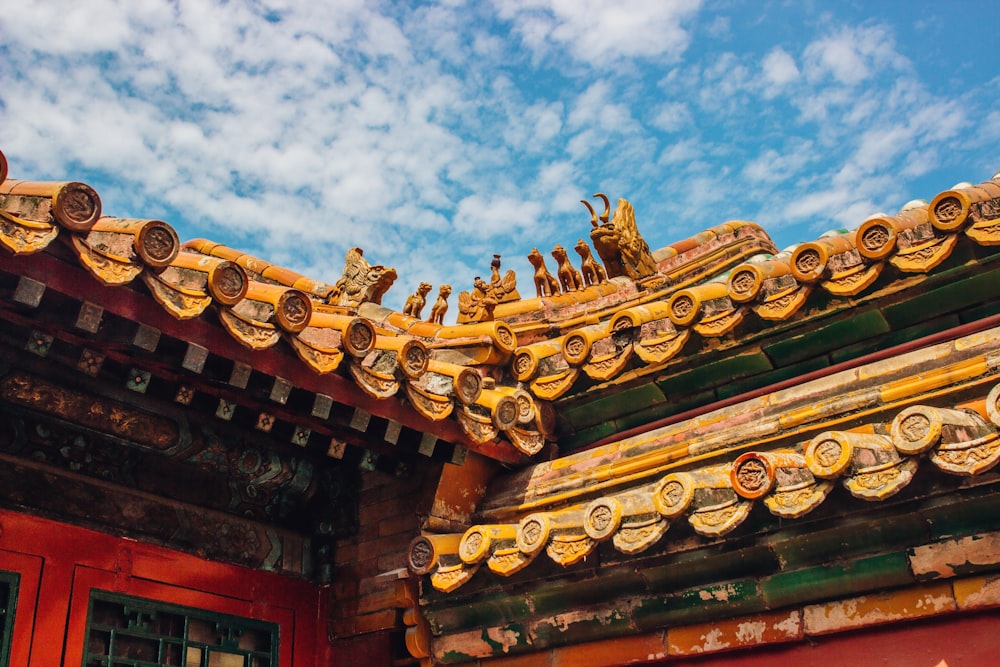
(621, 247)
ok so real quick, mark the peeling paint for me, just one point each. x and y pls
(478, 643)
(978, 592)
(562, 622)
(791, 626)
(722, 593)
(751, 631)
(503, 638)
(955, 557)
(876, 609)
(735, 633)
(469, 644)
(712, 642)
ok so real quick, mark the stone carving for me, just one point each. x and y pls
(718, 520)
(448, 578)
(639, 533)
(567, 548)
(361, 282)
(752, 477)
(23, 237)
(717, 498)
(948, 210)
(109, 270)
(427, 551)
(619, 244)
(438, 555)
(961, 442)
(922, 248)
(440, 306)
(431, 405)
(526, 441)
(75, 206)
(545, 284)
(480, 429)
(569, 278)
(782, 479)
(592, 272)
(673, 495)
(602, 518)
(292, 310)
(495, 544)
(533, 532)
(415, 302)
(478, 305)
(250, 334)
(631, 520)
(869, 463)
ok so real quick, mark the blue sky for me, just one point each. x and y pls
(434, 134)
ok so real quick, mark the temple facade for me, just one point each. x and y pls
(714, 453)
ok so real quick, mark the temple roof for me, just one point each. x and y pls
(872, 430)
(682, 432)
(648, 338)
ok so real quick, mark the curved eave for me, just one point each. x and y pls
(867, 433)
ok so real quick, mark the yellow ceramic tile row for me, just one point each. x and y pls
(793, 412)
(936, 379)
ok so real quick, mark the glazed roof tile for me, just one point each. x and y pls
(564, 368)
(872, 431)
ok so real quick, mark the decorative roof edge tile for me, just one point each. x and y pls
(787, 450)
(588, 339)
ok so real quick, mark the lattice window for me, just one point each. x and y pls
(126, 631)
(8, 600)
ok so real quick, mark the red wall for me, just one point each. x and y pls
(960, 640)
(60, 564)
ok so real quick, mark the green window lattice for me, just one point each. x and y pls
(8, 600)
(125, 631)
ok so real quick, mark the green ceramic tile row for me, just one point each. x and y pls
(697, 605)
(736, 388)
(979, 312)
(976, 511)
(612, 405)
(836, 580)
(585, 436)
(825, 338)
(712, 563)
(894, 338)
(582, 625)
(949, 298)
(553, 596)
(846, 538)
(713, 373)
(484, 610)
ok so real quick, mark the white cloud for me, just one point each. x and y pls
(852, 55)
(491, 216)
(672, 117)
(599, 31)
(436, 134)
(720, 28)
(779, 70)
(773, 167)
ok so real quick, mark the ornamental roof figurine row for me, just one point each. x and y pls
(636, 317)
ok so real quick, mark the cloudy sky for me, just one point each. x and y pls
(434, 134)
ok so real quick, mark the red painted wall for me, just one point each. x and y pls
(959, 640)
(60, 564)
